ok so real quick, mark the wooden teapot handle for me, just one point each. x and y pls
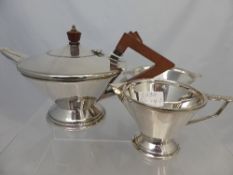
(133, 40)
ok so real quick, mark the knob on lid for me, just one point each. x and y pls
(74, 35)
(74, 49)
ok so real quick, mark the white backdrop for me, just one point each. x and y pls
(195, 34)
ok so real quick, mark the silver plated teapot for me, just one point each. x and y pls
(74, 77)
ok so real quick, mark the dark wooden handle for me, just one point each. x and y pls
(133, 40)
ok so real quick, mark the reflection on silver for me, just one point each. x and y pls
(79, 113)
(158, 123)
(75, 84)
(174, 74)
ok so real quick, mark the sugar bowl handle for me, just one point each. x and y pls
(225, 99)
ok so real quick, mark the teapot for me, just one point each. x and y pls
(74, 77)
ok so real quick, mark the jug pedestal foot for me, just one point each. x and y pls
(155, 148)
(76, 118)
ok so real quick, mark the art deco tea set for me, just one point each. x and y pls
(158, 97)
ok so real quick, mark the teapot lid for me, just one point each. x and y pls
(69, 64)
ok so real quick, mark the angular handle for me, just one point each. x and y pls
(133, 40)
(225, 99)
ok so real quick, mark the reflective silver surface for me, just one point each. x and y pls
(155, 148)
(175, 74)
(65, 52)
(59, 68)
(183, 30)
(75, 102)
(74, 84)
(160, 122)
(45, 149)
(79, 113)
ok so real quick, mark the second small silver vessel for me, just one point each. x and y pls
(161, 109)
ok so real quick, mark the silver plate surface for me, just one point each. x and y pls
(66, 119)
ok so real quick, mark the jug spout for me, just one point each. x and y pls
(13, 55)
(118, 89)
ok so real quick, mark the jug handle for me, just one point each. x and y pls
(13, 55)
(226, 100)
(133, 40)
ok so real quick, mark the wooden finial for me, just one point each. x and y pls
(74, 35)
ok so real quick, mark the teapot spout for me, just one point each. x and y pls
(13, 55)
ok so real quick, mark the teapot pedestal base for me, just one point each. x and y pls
(155, 148)
(75, 119)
